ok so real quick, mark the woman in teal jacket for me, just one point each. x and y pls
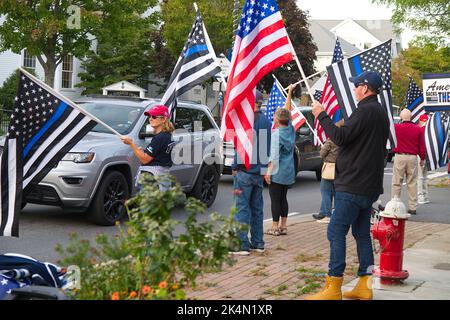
(281, 171)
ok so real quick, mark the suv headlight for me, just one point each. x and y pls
(82, 157)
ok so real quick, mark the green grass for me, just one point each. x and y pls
(310, 287)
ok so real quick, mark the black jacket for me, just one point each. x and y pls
(362, 141)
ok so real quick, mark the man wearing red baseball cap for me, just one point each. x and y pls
(422, 179)
(156, 159)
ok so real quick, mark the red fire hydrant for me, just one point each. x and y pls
(390, 232)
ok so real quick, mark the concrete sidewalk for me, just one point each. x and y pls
(428, 263)
(295, 265)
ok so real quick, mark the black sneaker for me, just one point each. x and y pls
(259, 250)
(412, 212)
(240, 253)
(318, 216)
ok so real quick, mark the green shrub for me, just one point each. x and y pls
(145, 260)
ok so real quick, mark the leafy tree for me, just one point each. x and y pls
(130, 58)
(9, 90)
(178, 16)
(49, 30)
(422, 15)
(418, 59)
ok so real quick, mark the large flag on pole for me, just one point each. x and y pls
(261, 45)
(436, 139)
(43, 128)
(414, 100)
(376, 59)
(328, 97)
(195, 65)
(277, 100)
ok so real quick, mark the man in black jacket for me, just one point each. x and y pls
(359, 182)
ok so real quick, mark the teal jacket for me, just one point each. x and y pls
(282, 155)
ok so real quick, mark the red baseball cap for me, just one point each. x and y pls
(158, 111)
(423, 117)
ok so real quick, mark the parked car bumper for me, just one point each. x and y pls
(67, 190)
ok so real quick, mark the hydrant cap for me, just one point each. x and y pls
(395, 209)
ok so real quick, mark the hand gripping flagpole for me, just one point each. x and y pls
(68, 101)
(295, 105)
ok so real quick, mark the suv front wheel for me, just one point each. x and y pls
(108, 205)
(206, 186)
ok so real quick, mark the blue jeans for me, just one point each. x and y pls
(351, 210)
(327, 191)
(249, 203)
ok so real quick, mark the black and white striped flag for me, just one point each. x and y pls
(196, 64)
(414, 100)
(42, 129)
(436, 139)
(376, 59)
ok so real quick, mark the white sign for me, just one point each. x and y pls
(436, 91)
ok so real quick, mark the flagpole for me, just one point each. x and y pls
(309, 77)
(68, 101)
(300, 68)
(209, 44)
(295, 105)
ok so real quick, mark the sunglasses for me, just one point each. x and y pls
(156, 117)
(360, 84)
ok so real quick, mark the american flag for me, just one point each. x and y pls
(376, 59)
(277, 100)
(261, 45)
(414, 100)
(318, 95)
(42, 129)
(196, 64)
(328, 98)
(436, 139)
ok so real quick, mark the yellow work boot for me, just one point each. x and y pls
(362, 290)
(331, 291)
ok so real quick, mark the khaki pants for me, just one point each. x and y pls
(422, 182)
(405, 165)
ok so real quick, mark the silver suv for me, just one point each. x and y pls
(99, 172)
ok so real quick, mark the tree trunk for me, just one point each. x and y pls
(49, 67)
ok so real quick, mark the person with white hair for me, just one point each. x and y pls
(410, 144)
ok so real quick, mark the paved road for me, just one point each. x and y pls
(43, 227)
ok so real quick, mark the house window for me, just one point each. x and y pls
(67, 71)
(29, 61)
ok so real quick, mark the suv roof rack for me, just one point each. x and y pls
(102, 96)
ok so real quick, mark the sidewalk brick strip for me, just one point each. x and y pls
(292, 266)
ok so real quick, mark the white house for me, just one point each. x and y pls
(361, 34)
(66, 75)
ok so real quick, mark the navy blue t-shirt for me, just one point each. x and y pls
(160, 148)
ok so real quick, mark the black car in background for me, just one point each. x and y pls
(306, 155)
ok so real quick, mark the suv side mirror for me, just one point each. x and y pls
(305, 131)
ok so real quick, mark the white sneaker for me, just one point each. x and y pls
(324, 220)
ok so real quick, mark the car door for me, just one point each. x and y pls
(182, 154)
(206, 137)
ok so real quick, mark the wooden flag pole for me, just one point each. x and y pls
(311, 76)
(295, 105)
(301, 69)
(68, 101)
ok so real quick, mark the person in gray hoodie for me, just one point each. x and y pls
(281, 171)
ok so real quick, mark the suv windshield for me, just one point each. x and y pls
(119, 117)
